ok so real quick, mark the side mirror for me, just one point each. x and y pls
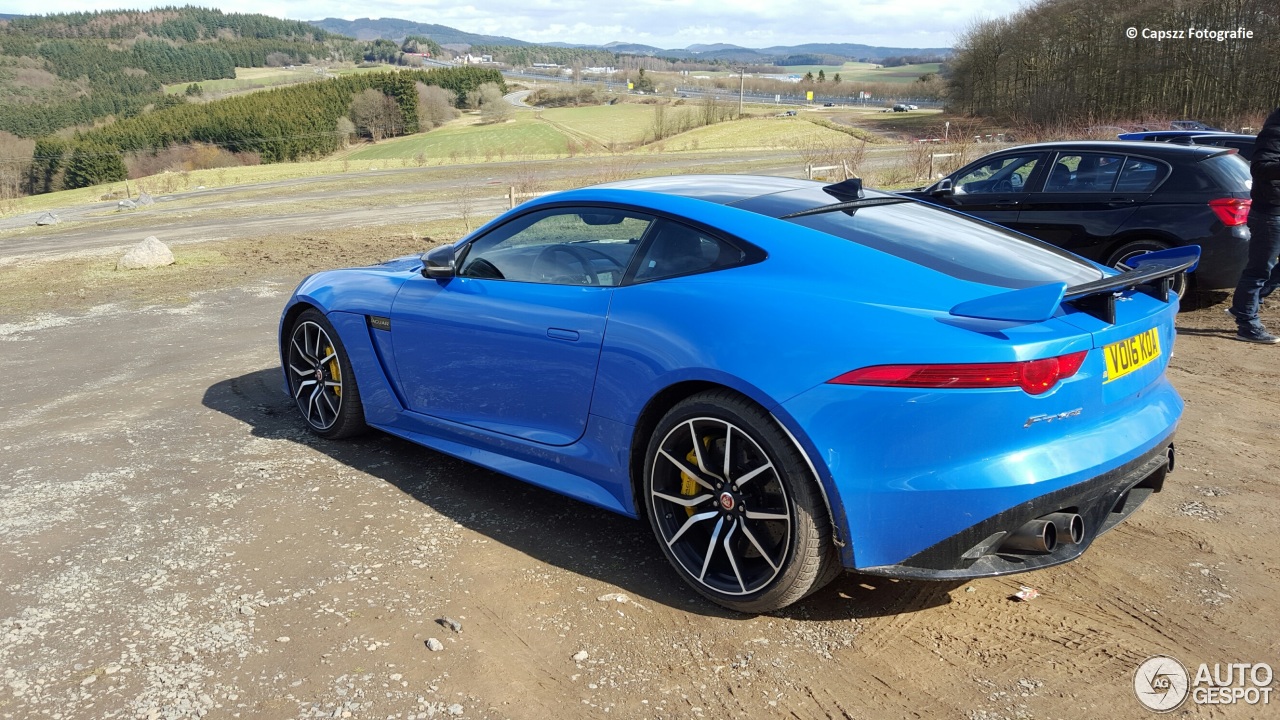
(944, 187)
(438, 264)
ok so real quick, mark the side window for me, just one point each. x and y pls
(1010, 173)
(562, 246)
(680, 250)
(1085, 172)
(1139, 176)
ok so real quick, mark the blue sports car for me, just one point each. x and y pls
(785, 378)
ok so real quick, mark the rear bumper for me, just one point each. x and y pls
(1102, 502)
(1222, 257)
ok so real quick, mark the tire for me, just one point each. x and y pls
(321, 380)
(1129, 250)
(755, 541)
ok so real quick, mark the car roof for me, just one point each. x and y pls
(748, 192)
(1129, 147)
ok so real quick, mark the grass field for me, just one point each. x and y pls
(247, 79)
(864, 72)
(603, 124)
(526, 137)
(523, 137)
(251, 79)
(748, 134)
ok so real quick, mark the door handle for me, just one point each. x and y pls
(562, 334)
(1006, 203)
(1117, 202)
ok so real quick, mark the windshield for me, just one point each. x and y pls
(954, 244)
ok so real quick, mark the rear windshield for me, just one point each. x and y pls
(954, 244)
(1230, 172)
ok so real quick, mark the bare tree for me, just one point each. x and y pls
(463, 199)
(494, 108)
(15, 157)
(1091, 62)
(344, 130)
(435, 106)
(659, 127)
(376, 115)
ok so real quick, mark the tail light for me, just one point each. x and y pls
(1231, 211)
(1033, 376)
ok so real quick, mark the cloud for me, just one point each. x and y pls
(665, 23)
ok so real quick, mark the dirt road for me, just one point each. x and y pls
(389, 196)
(176, 545)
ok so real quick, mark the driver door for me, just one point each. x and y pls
(511, 343)
(993, 188)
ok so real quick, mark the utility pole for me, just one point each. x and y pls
(742, 83)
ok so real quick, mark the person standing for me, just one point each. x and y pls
(1261, 273)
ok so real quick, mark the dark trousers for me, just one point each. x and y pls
(1261, 274)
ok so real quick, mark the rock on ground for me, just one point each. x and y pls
(149, 253)
(48, 219)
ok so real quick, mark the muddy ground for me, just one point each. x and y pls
(176, 545)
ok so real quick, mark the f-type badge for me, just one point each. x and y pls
(1050, 418)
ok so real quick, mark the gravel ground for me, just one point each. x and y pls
(176, 546)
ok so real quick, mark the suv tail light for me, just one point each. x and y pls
(1231, 211)
(1033, 376)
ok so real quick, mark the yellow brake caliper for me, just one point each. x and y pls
(334, 371)
(689, 486)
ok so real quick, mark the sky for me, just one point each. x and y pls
(664, 23)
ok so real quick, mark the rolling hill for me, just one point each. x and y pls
(397, 29)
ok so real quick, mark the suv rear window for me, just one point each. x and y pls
(954, 244)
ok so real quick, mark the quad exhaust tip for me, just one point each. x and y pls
(1070, 526)
(1037, 536)
(1043, 534)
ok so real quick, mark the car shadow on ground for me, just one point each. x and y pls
(1201, 299)
(554, 529)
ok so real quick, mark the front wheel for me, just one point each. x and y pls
(1120, 258)
(321, 381)
(734, 506)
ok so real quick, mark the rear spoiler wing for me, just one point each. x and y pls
(1151, 274)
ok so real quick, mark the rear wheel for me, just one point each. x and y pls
(734, 506)
(1120, 258)
(320, 378)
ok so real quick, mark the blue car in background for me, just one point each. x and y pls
(1243, 143)
(785, 379)
(1164, 135)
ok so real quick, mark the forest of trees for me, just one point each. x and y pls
(114, 63)
(1071, 61)
(290, 123)
(525, 55)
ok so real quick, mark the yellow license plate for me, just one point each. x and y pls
(1128, 355)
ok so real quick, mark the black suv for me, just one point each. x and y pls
(1110, 201)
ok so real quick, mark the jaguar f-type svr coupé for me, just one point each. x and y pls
(785, 378)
